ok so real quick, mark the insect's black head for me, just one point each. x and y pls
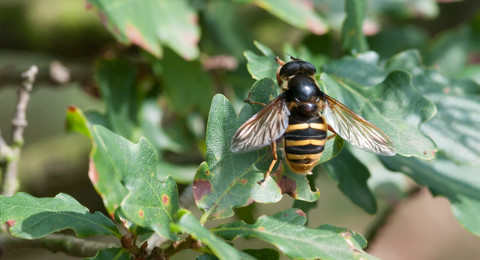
(296, 67)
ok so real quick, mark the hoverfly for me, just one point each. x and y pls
(302, 114)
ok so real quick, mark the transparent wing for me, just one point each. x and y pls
(263, 128)
(356, 130)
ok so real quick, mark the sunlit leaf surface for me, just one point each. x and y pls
(144, 199)
(150, 24)
(30, 217)
(287, 232)
(189, 224)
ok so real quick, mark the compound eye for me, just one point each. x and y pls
(310, 67)
(289, 68)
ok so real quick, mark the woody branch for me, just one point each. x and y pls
(11, 154)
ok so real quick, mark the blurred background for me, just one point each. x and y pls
(66, 38)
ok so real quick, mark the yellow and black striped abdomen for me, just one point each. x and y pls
(304, 143)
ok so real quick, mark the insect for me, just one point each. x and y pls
(302, 114)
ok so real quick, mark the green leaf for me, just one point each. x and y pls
(304, 53)
(333, 11)
(150, 118)
(304, 205)
(261, 66)
(29, 217)
(295, 185)
(403, 9)
(223, 30)
(189, 224)
(351, 177)
(353, 39)
(394, 105)
(150, 24)
(472, 72)
(295, 12)
(183, 174)
(394, 39)
(287, 232)
(362, 68)
(332, 149)
(130, 115)
(77, 122)
(187, 86)
(385, 184)
(116, 81)
(148, 202)
(456, 128)
(105, 178)
(452, 49)
(111, 254)
(107, 182)
(229, 179)
(459, 183)
(457, 136)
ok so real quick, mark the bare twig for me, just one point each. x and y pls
(19, 121)
(4, 149)
(10, 182)
(55, 243)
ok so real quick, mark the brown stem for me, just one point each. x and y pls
(55, 243)
(10, 182)
(175, 247)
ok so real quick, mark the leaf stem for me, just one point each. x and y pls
(55, 243)
(205, 215)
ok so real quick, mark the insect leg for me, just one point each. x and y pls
(275, 158)
(333, 131)
(281, 63)
(247, 100)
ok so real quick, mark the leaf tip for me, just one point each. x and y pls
(136, 37)
(432, 152)
(300, 213)
(72, 109)
(10, 223)
(348, 238)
